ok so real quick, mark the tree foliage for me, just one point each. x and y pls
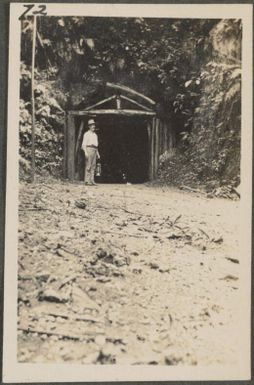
(48, 127)
(191, 68)
(209, 149)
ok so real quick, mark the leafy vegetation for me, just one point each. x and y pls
(191, 68)
(209, 149)
(48, 127)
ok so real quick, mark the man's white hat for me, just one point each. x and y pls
(90, 122)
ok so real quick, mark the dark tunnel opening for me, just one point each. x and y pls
(123, 147)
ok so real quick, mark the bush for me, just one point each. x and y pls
(209, 151)
(49, 117)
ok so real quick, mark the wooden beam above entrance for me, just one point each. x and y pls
(130, 91)
(124, 112)
(134, 102)
(101, 102)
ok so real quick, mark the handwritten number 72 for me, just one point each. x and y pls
(40, 10)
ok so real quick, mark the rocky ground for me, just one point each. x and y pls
(126, 275)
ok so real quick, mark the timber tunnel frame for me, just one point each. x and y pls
(160, 134)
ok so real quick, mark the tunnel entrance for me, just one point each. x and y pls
(123, 147)
(132, 137)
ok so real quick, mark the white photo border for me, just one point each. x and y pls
(23, 372)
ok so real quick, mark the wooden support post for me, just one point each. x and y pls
(71, 148)
(78, 154)
(165, 136)
(149, 134)
(156, 149)
(80, 137)
(65, 149)
(118, 103)
(152, 147)
(169, 136)
(161, 138)
(173, 138)
(155, 146)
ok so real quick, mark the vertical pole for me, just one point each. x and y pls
(65, 148)
(161, 138)
(169, 137)
(71, 148)
(78, 154)
(173, 137)
(118, 102)
(149, 134)
(156, 154)
(32, 98)
(165, 136)
(152, 148)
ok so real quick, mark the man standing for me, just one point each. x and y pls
(90, 148)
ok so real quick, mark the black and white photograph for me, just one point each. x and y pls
(128, 201)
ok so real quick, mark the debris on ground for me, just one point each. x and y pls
(52, 295)
(81, 203)
(141, 278)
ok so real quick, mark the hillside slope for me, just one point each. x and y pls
(209, 153)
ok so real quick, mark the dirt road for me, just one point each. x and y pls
(127, 275)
